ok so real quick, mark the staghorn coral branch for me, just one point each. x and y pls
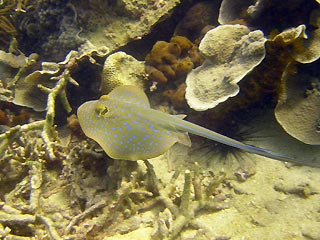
(50, 227)
(14, 132)
(190, 205)
(18, 219)
(159, 190)
(76, 219)
(47, 124)
(186, 194)
(9, 215)
(59, 88)
(64, 101)
(197, 187)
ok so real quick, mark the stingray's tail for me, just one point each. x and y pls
(276, 156)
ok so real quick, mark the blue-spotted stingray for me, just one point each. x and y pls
(126, 127)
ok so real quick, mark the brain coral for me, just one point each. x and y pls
(121, 69)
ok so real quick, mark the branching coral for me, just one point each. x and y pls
(10, 135)
(47, 124)
(184, 214)
(15, 145)
(13, 211)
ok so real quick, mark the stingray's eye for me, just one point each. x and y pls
(101, 109)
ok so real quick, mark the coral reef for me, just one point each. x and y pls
(113, 192)
(55, 183)
(306, 50)
(263, 86)
(298, 108)
(122, 69)
(257, 13)
(198, 16)
(49, 28)
(259, 90)
(46, 27)
(8, 30)
(231, 51)
(174, 218)
(231, 11)
(171, 61)
(13, 68)
(13, 60)
(11, 115)
(177, 97)
(60, 76)
(124, 21)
